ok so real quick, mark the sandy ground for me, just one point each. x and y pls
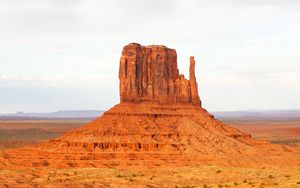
(16, 133)
(197, 176)
(202, 176)
(276, 131)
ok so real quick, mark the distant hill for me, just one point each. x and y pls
(71, 114)
(223, 115)
(258, 114)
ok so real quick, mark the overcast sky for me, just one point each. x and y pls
(64, 54)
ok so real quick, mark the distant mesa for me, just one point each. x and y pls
(70, 114)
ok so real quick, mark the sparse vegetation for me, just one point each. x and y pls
(18, 133)
(115, 177)
(152, 177)
(112, 176)
(119, 176)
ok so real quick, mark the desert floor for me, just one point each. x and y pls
(17, 133)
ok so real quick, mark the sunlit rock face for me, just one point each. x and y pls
(150, 74)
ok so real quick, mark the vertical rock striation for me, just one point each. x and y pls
(193, 83)
(150, 74)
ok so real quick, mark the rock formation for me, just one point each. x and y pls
(150, 74)
(159, 121)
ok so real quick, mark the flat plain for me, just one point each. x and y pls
(16, 133)
(277, 131)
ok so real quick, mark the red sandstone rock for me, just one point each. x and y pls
(159, 121)
(150, 74)
(193, 83)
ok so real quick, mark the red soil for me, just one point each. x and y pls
(151, 135)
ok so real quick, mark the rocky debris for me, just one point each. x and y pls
(150, 74)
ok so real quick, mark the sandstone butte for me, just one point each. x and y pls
(158, 122)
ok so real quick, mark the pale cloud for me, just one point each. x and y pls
(289, 79)
(249, 47)
(60, 81)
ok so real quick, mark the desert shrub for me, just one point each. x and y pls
(218, 171)
(119, 176)
(262, 185)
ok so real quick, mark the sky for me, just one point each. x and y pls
(64, 54)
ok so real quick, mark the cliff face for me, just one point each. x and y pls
(150, 74)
